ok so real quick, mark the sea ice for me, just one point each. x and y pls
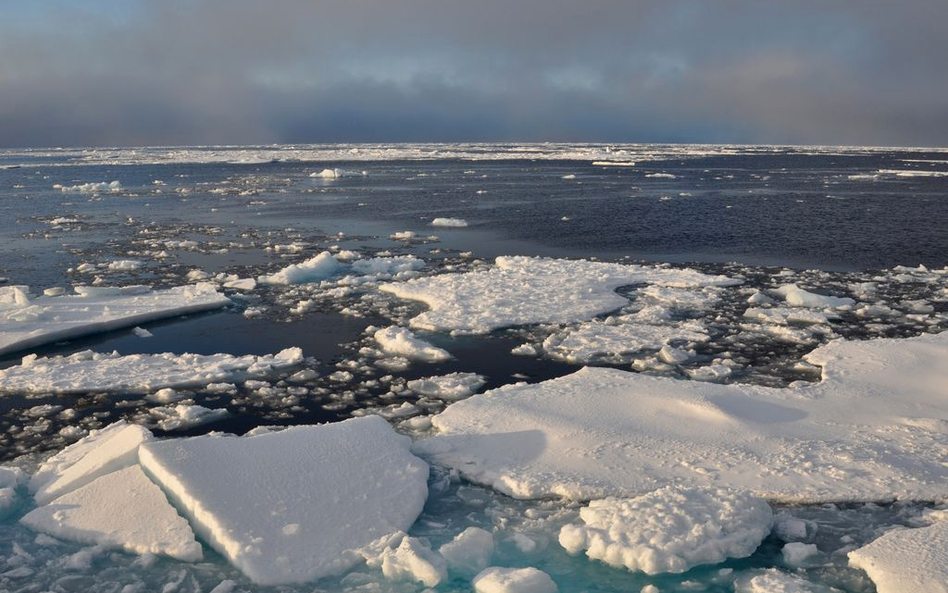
(399, 341)
(137, 373)
(314, 269)
(513, 580)
(122, 509)
(449, 222)
(907, 560)
(450, 387)
(411, 560)
(101, 452)
(27, 322)
(772, 580)
(671, 529)
(524, 290)
(10, 479)
(185, 416)
(870, 430)
(595, 339)
(294, 505)
(797, 297)
(469, 552)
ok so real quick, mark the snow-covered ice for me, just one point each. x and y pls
(399, 341)
(469, 552)
(594, 339)
(294, 505)
(522, 290)
(10, 479)
(184, 416)
(513, 580)
(27, 322)
(316, 268)
(122, 509)
(871, 429)
(449, 222)
(450, 387)
(797, 297)
(907, 560)
(410, 560)
(137, 373)
(101, 452)
(671, 529)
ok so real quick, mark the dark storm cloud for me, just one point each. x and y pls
(240, 71)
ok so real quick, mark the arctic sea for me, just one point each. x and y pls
(864, 224)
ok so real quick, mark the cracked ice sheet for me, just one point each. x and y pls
(525, 290)
(137, 373)
(873, 429)
(295, 505)
(27, 322)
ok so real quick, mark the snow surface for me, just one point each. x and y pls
(27, 322)
(314, 269)
(672, 529)
(522, 290)
(137, 373)
(399, 341)
(907, 560)
(122, 509)
(294, 505)
(513, 580)
(872, 429)
(101, 452)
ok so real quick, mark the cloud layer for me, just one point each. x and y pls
(136, 72)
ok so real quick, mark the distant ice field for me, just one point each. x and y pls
(332, 283)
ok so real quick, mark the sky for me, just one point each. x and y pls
(172, 72)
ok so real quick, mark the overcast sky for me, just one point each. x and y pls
(138, 72)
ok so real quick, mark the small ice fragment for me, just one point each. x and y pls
(513, 580)
(797, 553)
(403, 342)
(449, 222)
(142, 332)
(469, 552)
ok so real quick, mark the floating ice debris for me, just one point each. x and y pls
(872, 429)
(596, 339)
(798, 553)
(137, 373)
(449, 222)
(450, 387)
(671, 529)
(124, 265)
(469, 552)
(399, 341)
(336, 174)
(89, 188)
(907, 560)
(772, 580)
(797, 297)
(513, 580)
(122, 509)
(410, 560)
(245, 284)
(184, 416)
(403, 235)
(141, 332)
(786, 315)
(913, 173)
(314, 269)
(102, 452)
(294, 505)
(10, 478)
(660, 176)
(27, 322)
(523, 290)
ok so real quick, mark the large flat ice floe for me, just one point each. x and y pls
(671, 529)
(907, 560)
(137, 373)
(525, 290)
(873, 429)
(294, 505)
(27, 322)
(122, 509)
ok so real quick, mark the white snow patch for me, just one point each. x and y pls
(345, 485)
(907, 560)
(671, 529)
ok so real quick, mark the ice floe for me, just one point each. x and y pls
(450, 387)
(872, 429)
(122, 509)
(10, 479)
(469, 552)
(27, 322)
(671, 529)
(137, 373)
(314, 269)
(907, 560)
(594, 339)
(398, 341)
(513, 580)
(294, 505)
(449, 222)
(522, 290)
(410, 560)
